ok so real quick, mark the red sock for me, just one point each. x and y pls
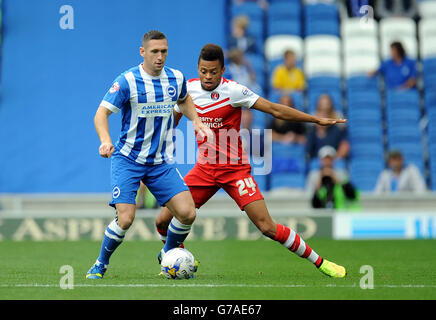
(291, 240)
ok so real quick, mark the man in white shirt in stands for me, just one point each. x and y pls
(400, 178)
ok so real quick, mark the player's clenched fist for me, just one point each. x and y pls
(106, 149)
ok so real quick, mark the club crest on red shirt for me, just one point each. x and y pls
(215, 95)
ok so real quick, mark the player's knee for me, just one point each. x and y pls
(267, 229)
(125, 218)
(187, 215)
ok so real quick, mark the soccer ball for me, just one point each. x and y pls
(178, 263)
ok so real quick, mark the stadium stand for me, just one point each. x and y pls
(337, 53)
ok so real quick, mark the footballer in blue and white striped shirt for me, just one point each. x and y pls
(145, 95)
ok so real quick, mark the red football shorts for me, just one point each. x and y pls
(204, 181)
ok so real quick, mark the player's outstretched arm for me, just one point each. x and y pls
(102, 127)
(187, 107)
(283, 112)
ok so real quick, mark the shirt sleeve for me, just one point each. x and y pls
(242, 96)
(117, 95)
(413, 71)
(183, 91)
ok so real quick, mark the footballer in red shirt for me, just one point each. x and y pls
(223, 163)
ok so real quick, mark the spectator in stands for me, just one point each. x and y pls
(287, 77)
(319, 136)
(240, 38)
(330, 188)
(241, 70)
(396, 8)
(285, 131)
(326, 158)
(354, 7)
(398, 177)
(399, 72)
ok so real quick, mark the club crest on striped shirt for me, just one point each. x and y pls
(171, 91)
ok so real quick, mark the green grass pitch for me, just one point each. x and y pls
(229, 269)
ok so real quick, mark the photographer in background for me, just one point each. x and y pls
(331, 190)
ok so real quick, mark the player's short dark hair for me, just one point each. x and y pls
(212, 52)
(400, 49)
(153, 35)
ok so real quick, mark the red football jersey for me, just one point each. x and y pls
(220, 110)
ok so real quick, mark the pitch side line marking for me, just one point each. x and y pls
(195, 285)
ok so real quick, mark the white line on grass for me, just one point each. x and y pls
(205, 285)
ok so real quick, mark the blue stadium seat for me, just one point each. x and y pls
(430, 99)
(363, 99)
(367, 150)
(364, 173)
(284, 10)
(407, 98)
(429, 73)
(403, 116)
(361, 82)
(321, 11)
(288, 158)
(250, 9)
(364, 133)
(324, 83)
(284, 26)
(321, 26)
(288, 180)
(259, 120)
(361, 113)
(407, 133)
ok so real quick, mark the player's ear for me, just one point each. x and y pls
(223, 69)
(142, 51)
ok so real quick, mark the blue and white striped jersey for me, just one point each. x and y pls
(146, 105)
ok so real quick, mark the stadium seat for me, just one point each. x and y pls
(367, 150)
(322, 27)
(361, 82)
(360, 65)
(404, 133)
(288, 180)
(364, 131)
(396, 98)
(360, 112)
(427, 38)
(427, 9)
(250, 9)
(322, 66)
(324, 83)
(361, 46)
(322, 45)
(321, 11)
(364, 173)
(284, 10)
(352, 28)
(283, 26)
(275, 46)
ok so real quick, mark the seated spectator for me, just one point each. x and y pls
(287, 77)
(240, 70)
(334, 136)
(326, 158)
(330, 188)
(399, 72)
(398, 177)
(285, 131)
(240, 38)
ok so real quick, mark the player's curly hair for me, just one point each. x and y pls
(212, 52)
